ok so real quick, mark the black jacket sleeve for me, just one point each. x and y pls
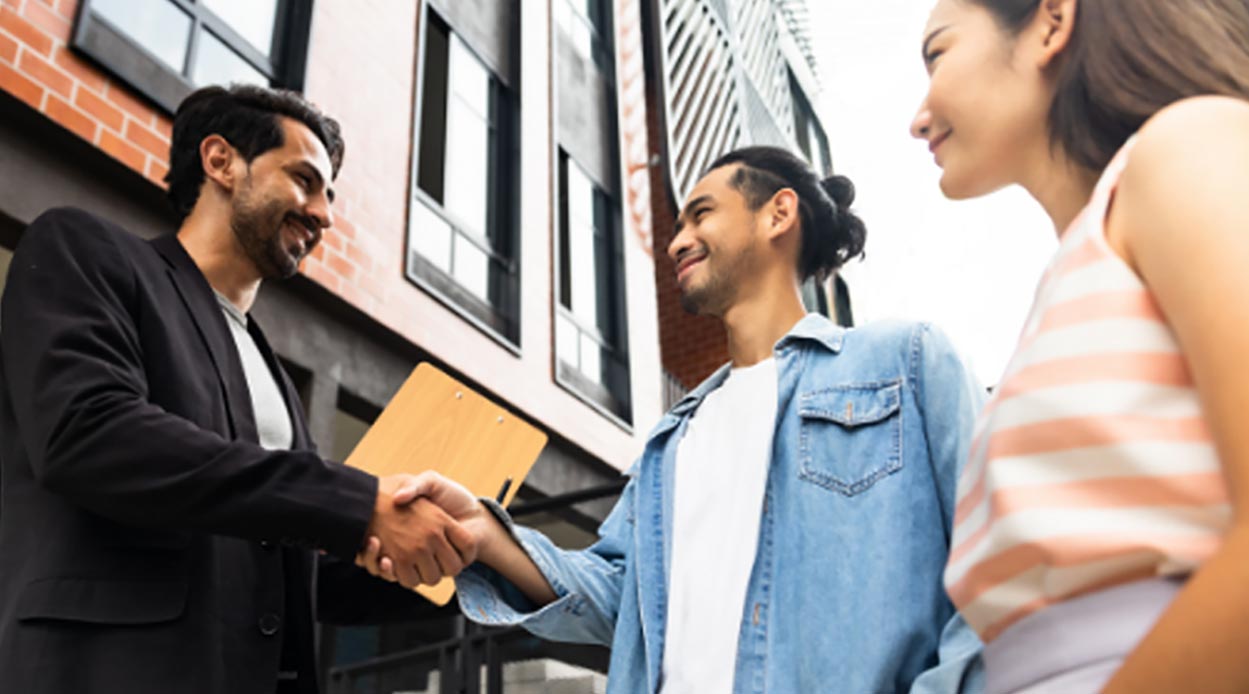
(74, 366)
(349, 595)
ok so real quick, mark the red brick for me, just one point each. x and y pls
(43, 16)
(71, 118)
(136, 107)
(67, 8)
(340, 265)
(80, 70)
(156, 171)
(45, 73)
(123, 151)
(374, 285)
(356, 297)
(343, 225)
(21, 86)
(147, 139)
(108, 115)
(359, 256)
(24, 31)
(164, 126)
(318, 273)
(8, 49)
(333, 238)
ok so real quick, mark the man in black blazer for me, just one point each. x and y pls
(161, 500)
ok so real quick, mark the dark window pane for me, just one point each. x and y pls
(217, 63)
(252, 19)
(434, 112)
(159, 26)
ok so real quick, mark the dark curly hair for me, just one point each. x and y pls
(831, 233)
(249, 118)
(1127, 61)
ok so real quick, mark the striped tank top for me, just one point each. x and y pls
(1091, 465)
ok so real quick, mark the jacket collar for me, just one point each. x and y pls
(201, 304)
(812, 328)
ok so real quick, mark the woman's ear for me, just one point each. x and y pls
(1057, 22)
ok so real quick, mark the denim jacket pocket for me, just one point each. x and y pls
(851, 435)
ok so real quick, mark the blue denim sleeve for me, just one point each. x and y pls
(587, 584)
(959, 669)
(949, 400)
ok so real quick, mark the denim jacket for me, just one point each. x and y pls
(873, 425)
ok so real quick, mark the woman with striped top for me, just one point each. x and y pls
(1102, 530)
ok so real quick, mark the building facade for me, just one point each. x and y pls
(512, 175)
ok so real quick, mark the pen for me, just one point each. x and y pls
(507, 484)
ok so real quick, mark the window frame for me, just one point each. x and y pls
(618, 407)
(501, 322)
(97, 38)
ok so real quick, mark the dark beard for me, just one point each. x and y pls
(258, 228)
(718, 293)
(706, 300)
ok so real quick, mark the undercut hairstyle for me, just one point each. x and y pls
(249, 118)
(1127, 61)
(831, 233)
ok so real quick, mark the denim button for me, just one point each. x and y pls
(269, 624)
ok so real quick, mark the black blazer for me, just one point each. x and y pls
(148, 544)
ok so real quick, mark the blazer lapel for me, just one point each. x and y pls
(206, 314)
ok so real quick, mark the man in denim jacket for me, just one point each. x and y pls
(793, 546)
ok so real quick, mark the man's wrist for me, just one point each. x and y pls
(496, 531)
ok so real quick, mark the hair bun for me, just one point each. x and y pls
(840, 189)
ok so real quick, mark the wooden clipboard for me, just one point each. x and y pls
(436, 423)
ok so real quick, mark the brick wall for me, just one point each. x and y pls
(37, 67)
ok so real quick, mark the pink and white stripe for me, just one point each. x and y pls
(1092, 464)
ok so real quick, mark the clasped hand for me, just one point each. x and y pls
(425, 528)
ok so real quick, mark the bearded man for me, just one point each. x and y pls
(162, 501)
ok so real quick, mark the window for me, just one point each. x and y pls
(808, 131)
(591, 345)
(167, 48)
(461, 232)
(586, 23)
(830, 299)
(815, 297)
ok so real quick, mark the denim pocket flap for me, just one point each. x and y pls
(853, 405)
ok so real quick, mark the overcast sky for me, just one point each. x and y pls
(971, 267)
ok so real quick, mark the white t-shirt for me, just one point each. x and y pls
(721, 472)
(273, 421)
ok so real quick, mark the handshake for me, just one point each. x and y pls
(425, 528)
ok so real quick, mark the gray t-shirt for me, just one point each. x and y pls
(273, 421)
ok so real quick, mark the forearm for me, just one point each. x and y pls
(136, 464)
(1199, 643)
(500, 551)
